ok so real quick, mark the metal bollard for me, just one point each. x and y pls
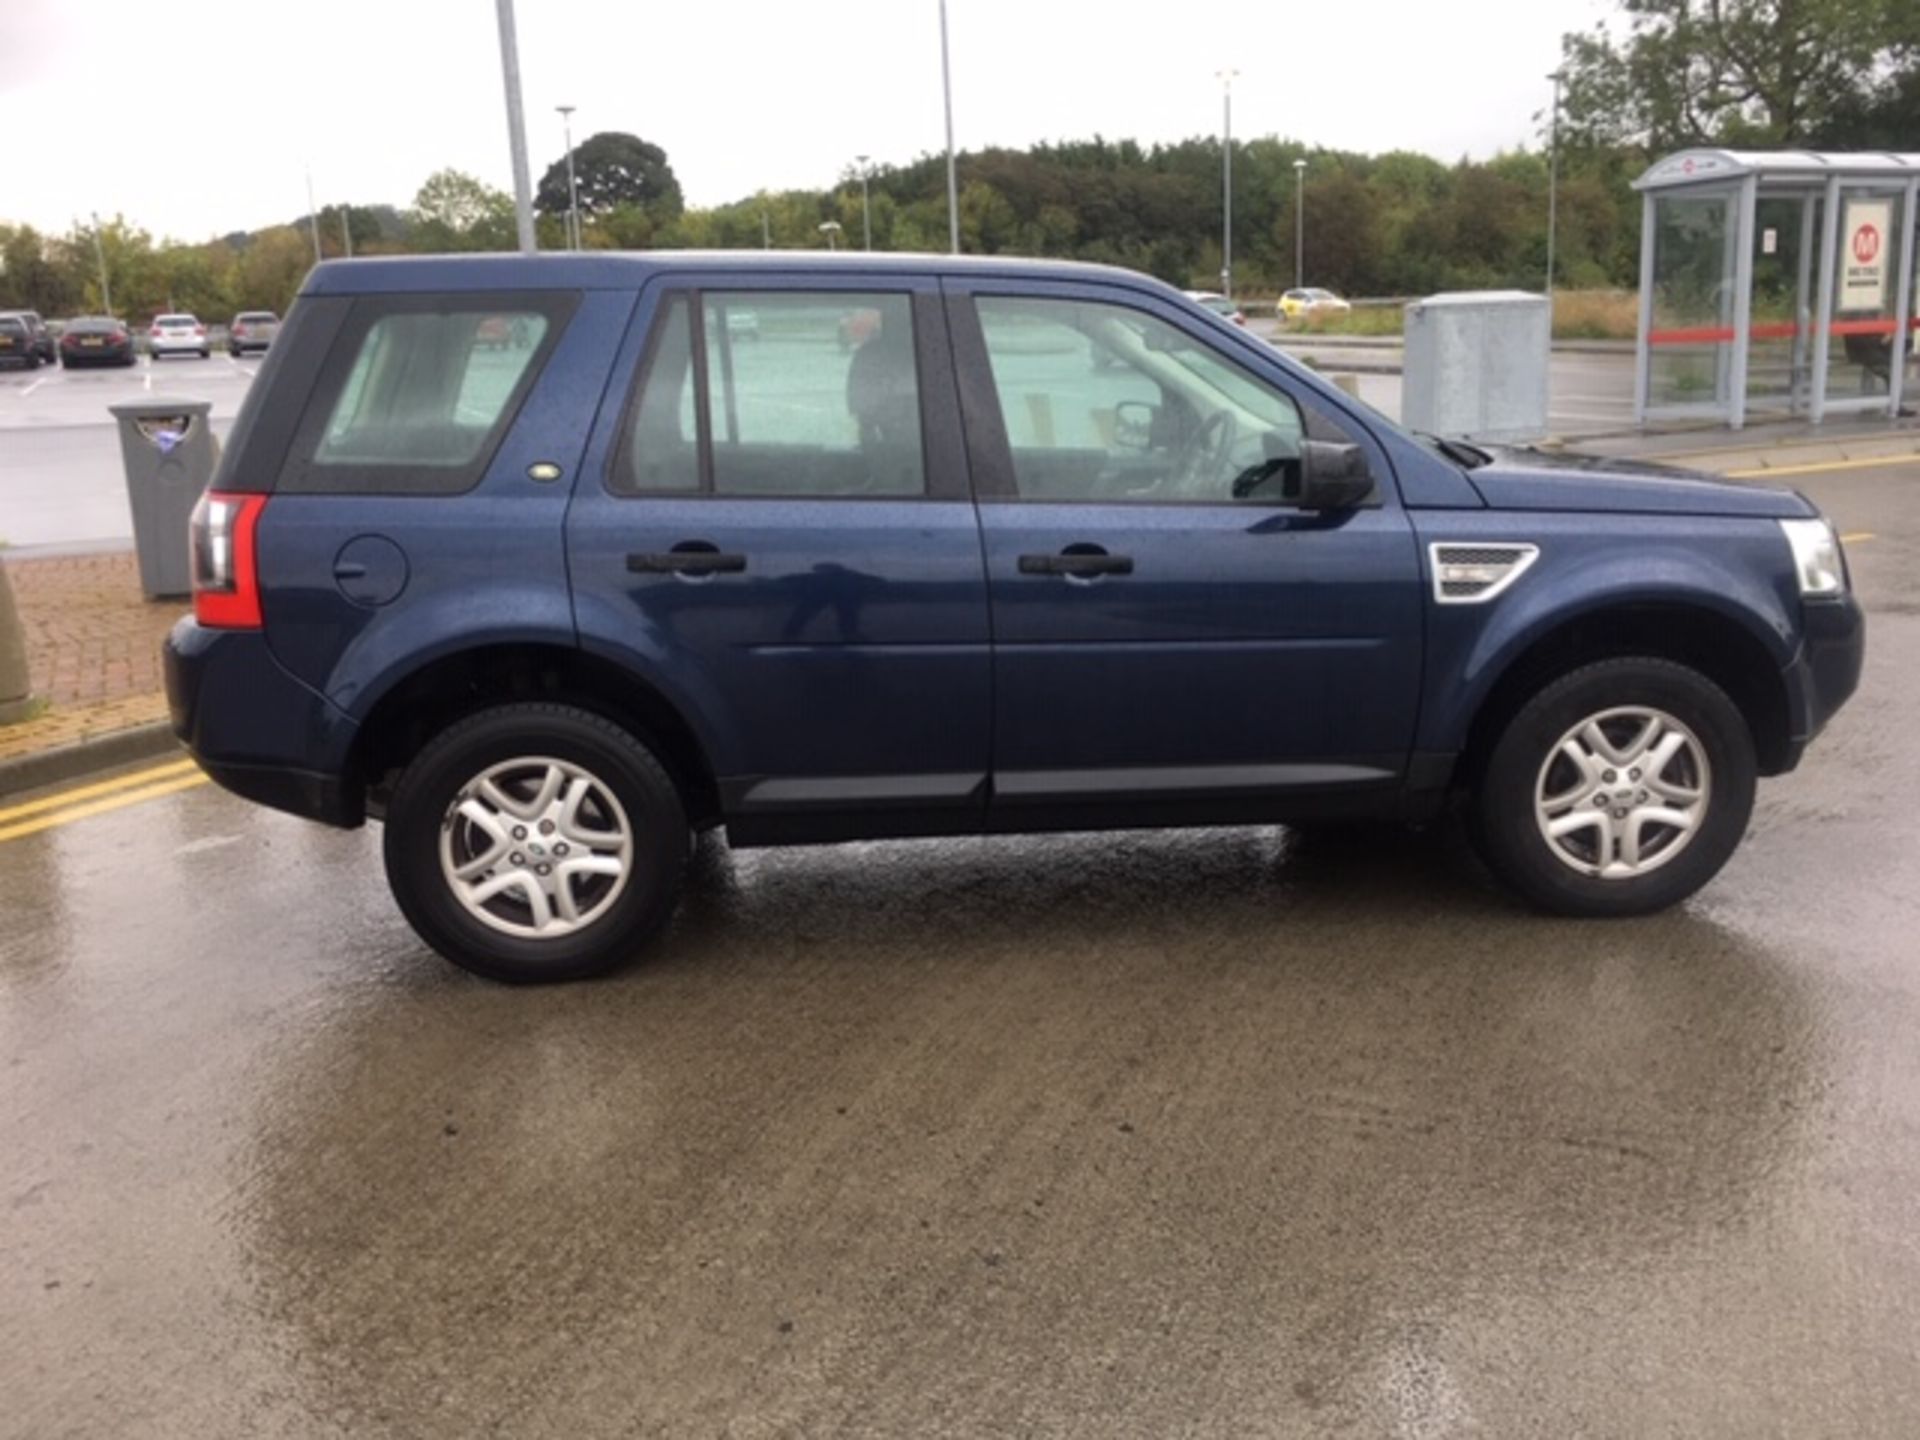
(16, 691)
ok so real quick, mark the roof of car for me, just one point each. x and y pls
(622, 269)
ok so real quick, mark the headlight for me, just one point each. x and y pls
(1816, 556)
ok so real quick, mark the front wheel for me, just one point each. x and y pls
(1619, 789)
(536, 842)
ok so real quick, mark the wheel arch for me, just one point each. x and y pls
(1685, 632)
(428, 699)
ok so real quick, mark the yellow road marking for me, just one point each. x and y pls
(103, 787)
(1857, 536)
(1871, 462)
(101, 806)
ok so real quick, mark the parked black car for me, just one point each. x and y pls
(37, 328)
(16, 343)
(96, 340)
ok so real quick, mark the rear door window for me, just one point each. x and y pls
(793, 393)
(418, 391)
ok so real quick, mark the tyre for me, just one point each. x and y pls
(1619, 789)
(536, 842)
(206, 354)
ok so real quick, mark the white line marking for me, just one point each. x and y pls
(33, 387)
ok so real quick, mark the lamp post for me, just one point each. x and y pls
(1299, 224)
(1553, 178)
(516, 127)
(1226, 78)
(953, 184)
(573, 190)
(866, 208)
(831, 229)
(100, 254)
(313, 217)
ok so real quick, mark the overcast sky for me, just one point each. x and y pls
(197, 117)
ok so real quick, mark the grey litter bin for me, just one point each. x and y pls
(169, 450)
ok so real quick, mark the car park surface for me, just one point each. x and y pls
(1190, 1133)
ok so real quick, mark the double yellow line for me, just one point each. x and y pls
(19, 821)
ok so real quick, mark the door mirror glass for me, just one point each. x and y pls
(1134, 422)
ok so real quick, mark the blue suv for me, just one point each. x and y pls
(549, 562)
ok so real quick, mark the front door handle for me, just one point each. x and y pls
(693, 558)
(1077, 560)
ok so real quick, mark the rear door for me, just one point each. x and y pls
(775, 529)
(1161, 632)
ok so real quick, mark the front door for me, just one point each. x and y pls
(775, 529)
(1167, 627)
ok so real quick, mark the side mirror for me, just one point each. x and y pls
(1332, 476)
(1134, 422)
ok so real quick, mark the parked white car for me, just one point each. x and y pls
(177, 335)
(1219, 304)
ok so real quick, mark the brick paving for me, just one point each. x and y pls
(93, 649)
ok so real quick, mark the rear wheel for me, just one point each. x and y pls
(1619, 789)
(536, 842)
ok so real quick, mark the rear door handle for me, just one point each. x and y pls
(1077, 562)
(685, 562)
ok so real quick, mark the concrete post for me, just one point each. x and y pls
(16, 694)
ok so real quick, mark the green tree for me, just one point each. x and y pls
(611, 170)
(455, 211)
(1747, 72)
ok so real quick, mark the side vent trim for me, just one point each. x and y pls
(1473, 573)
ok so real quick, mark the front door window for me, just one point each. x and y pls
(1106, 404)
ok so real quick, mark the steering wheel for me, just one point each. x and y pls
(1210, 451)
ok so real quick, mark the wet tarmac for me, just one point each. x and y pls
(1198, 1134)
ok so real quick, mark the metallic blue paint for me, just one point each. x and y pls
(892, 650)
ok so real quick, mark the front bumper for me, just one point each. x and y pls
(258, 730)
(1825, 671)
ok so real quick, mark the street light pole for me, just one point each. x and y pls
(953, 184)
(573, 190)
(313, 217)
(1226, 78)
(346, 229)
(100, 254)
(1553, 178)
(866, 207)
(1299, 224)
(516, 127)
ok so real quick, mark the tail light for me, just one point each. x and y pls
(226, 579)
(199, 329)
(153, 333)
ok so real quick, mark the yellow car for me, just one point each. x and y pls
(1312, 304)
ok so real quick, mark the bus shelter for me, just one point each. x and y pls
(1774, 283)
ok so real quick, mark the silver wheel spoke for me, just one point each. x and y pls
(1675, 794)
(1646, 739)
(1662, 754)
(1627, 834)
(1597, 742)
(549, 791)
(501, 801)
(1579, 820)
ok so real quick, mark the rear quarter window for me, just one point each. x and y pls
(417, 391)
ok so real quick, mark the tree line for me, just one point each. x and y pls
(1663, 74)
